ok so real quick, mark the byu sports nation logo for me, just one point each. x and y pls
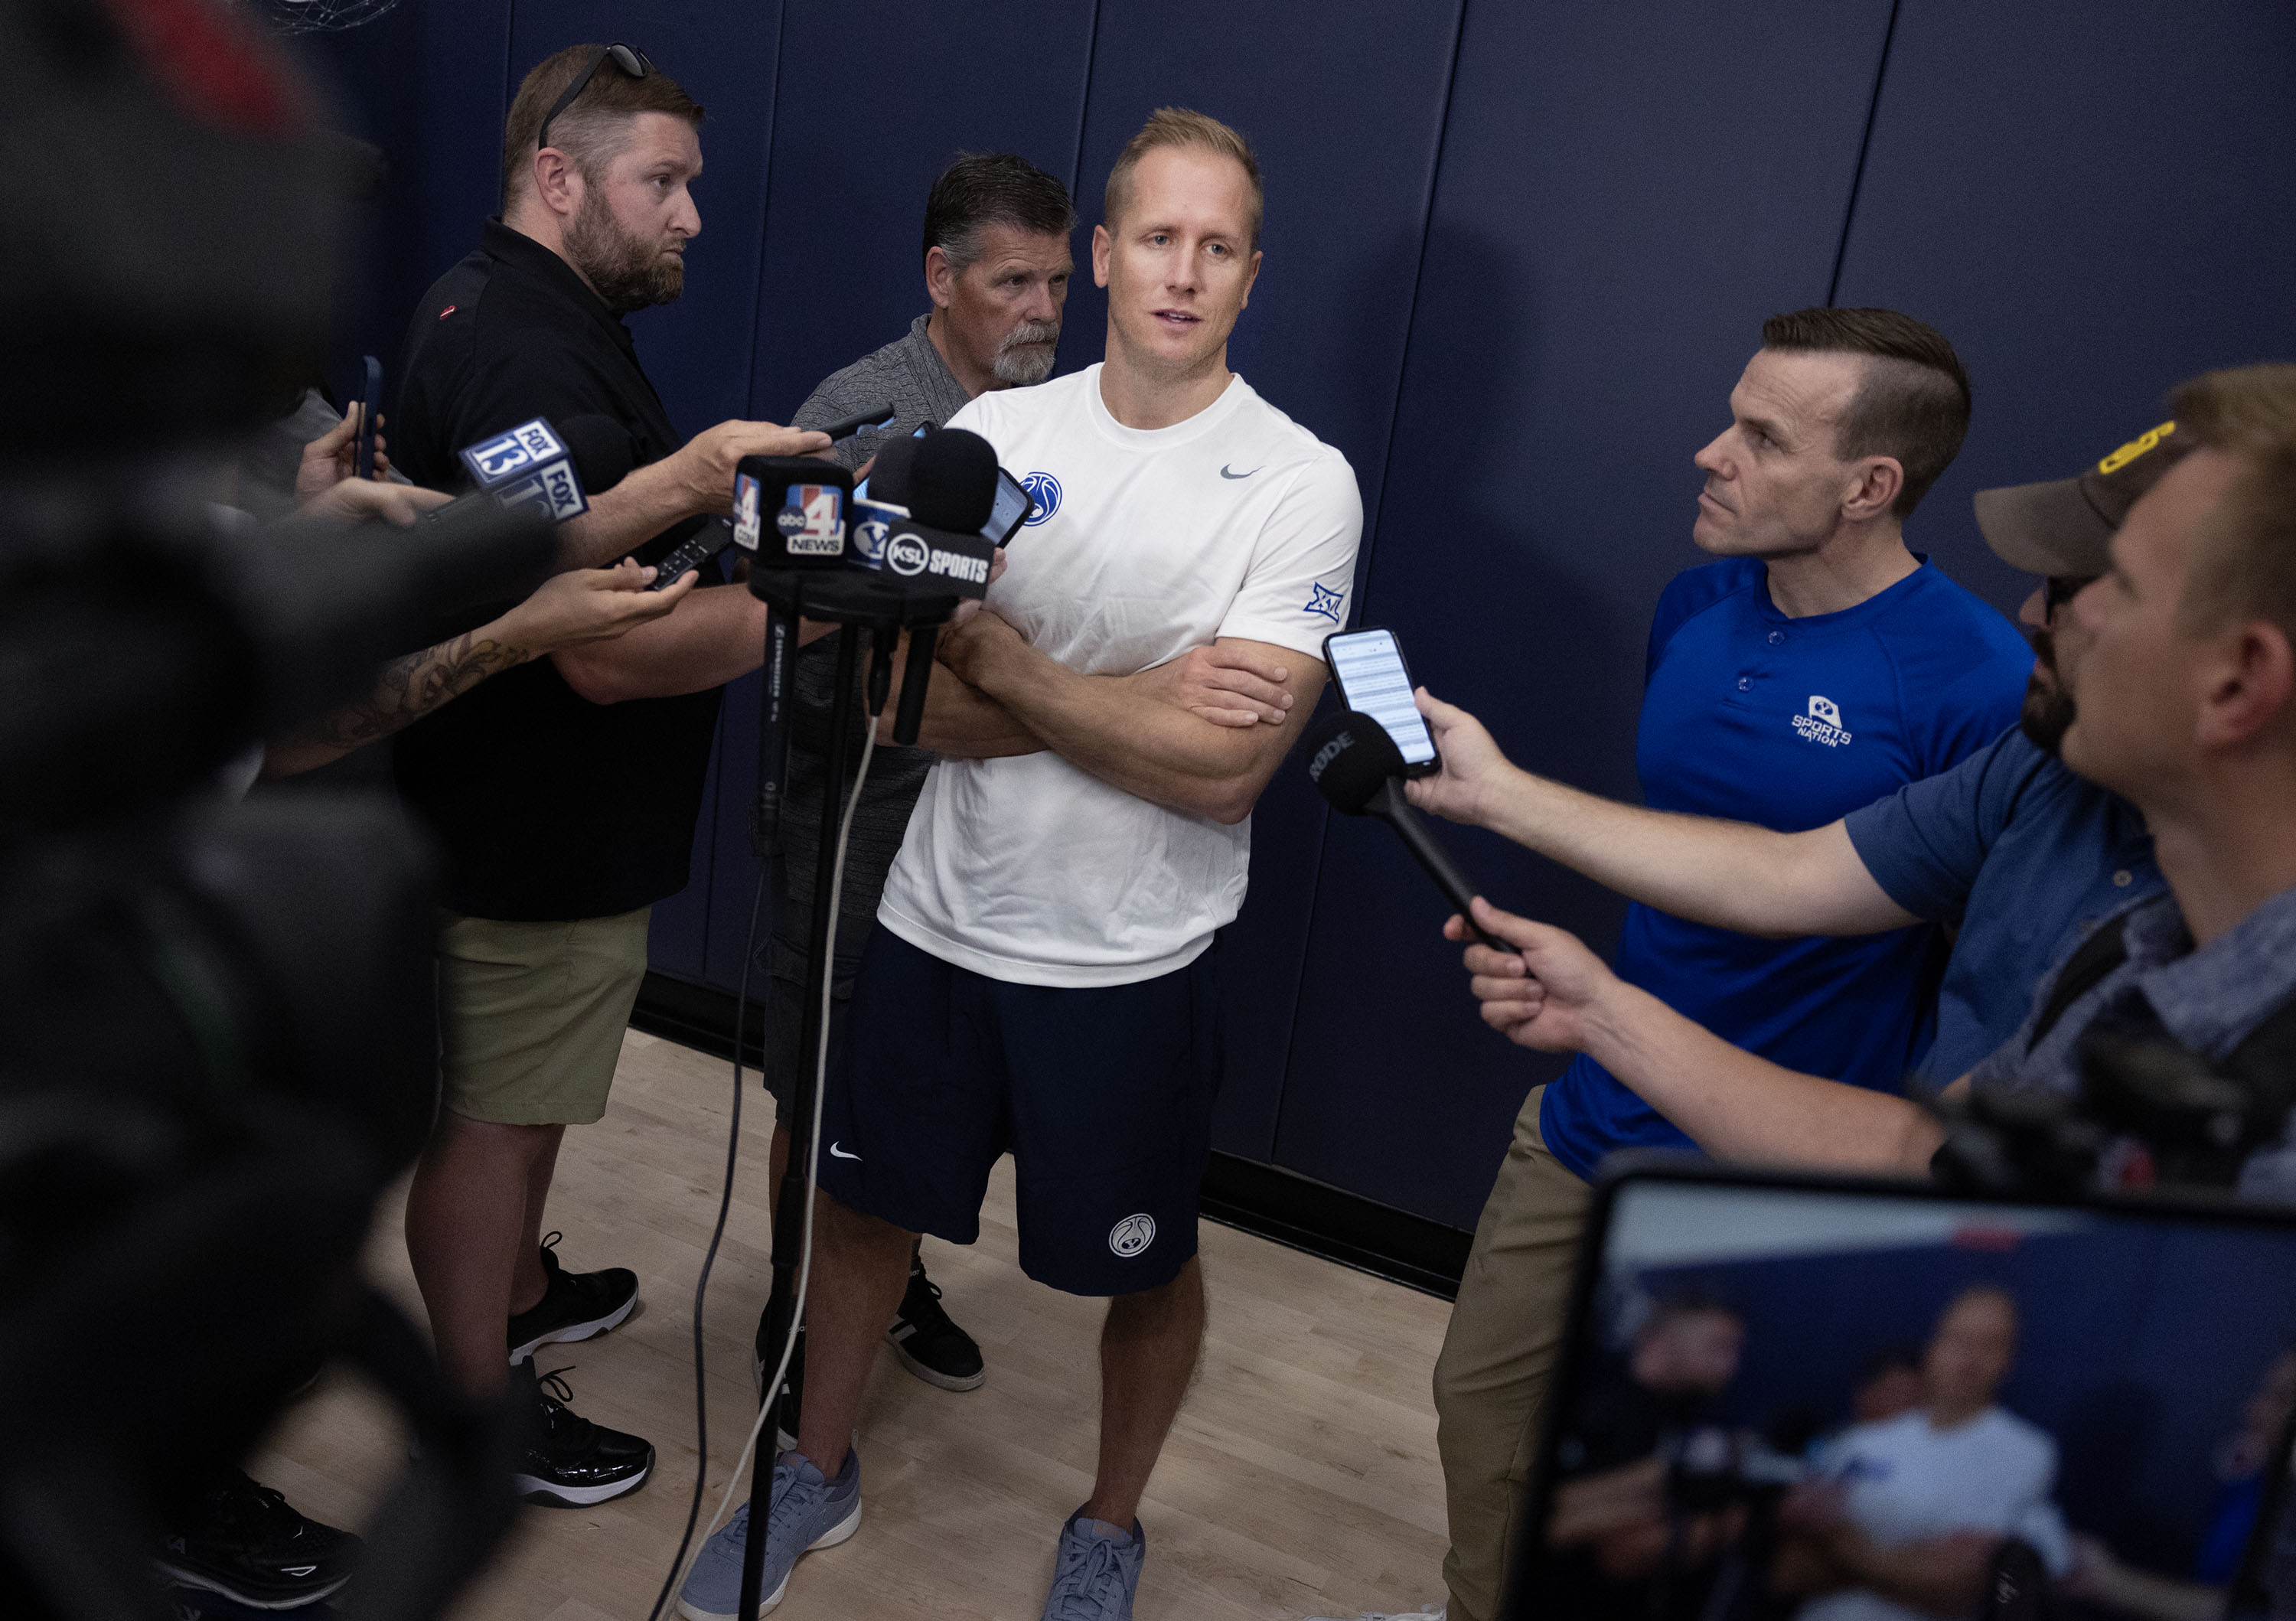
(869, 537)
(1045, 492)
(1132, 1235)
(1324, 602)
(1823, 723)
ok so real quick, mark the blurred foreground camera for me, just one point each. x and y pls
(222, 1043)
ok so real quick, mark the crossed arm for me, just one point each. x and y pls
(1201, 758)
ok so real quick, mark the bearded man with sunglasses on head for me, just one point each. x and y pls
(564, 794)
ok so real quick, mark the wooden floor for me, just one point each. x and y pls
(1299, 1480)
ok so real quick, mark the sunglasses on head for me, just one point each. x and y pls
(629, 59)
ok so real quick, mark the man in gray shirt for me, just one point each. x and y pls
(997, 264)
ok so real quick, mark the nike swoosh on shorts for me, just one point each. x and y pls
(837, 1153)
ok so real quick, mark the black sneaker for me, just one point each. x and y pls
(762, 1362)
(574, 1304)
(246, 1543)
(929, 1345)
(566, 1462)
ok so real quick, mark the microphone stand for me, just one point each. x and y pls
(854, 599)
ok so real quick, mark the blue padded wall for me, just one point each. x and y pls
(1610, 229)
(1323, 340)
(2143, 227)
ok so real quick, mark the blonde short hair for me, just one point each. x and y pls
(2244, 567)
(1184, 127)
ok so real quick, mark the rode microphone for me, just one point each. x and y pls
(1355, 764)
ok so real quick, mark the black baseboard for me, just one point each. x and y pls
(1289, 1209)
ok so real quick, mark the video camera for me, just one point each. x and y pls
(222, 1045)
(2150, 1114)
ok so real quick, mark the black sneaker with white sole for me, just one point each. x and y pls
(242, 1541)
(566, 1462)
(574, 1304)
(929, 1345)
(762, 1362)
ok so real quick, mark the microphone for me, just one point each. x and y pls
(547, 482)
(948, 484)
(952, 481)
(529, 464)
(1356, 765)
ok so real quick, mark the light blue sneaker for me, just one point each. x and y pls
(808, 1512)
(1095, 1574)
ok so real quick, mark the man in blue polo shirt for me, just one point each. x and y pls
(2009, 848)
(1818, 667)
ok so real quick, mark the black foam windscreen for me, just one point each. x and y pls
(953, 481)
(1350, 757)
(889, 475)
(601, 448)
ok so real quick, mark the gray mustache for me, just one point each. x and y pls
(1028, 332)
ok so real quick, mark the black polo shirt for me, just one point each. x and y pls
(545, 805)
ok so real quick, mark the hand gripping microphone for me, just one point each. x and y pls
(1356, 765)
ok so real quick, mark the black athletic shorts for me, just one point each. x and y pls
(1102, 1094)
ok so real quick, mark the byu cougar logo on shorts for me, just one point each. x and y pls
(1132, 1235)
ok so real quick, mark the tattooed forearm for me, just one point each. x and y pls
(408, 689)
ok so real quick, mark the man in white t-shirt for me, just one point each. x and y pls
(1917, 1507)
(1043, 979)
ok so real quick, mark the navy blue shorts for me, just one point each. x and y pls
(1104, 1096)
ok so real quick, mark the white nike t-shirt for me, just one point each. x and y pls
(1237, 522)
(1908, 1483)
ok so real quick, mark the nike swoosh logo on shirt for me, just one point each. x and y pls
(1226, 474)
(837, 1153)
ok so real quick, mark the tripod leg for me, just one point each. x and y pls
(796, 1191)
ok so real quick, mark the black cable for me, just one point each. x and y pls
(710, 1257)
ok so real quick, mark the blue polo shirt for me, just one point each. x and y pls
(1793, 722)
(2021, 856)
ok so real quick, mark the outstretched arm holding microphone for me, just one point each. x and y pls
(1544, 990)
(1730, 874)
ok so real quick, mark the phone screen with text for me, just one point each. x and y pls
(1368, 665)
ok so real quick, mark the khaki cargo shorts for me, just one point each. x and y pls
(533, 1014)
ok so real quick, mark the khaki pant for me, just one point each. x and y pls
(534, 1015)
(1498, 1354)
